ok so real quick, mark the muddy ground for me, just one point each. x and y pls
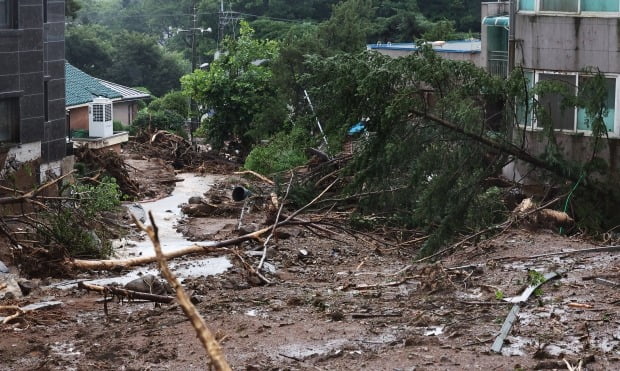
(342, 303)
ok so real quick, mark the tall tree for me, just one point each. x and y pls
(348, 27)
(238, 90)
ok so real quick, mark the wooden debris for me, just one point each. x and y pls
(580, 305)
(259, 176)
(124, 293)
(606, 282)
(19, 311)
(374, 315)
(559, 253)
(205, 335)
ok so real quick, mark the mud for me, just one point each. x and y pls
(344, 304)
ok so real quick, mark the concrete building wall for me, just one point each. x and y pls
(32, 74)
(54, 143)
(125, 112)
(567, 43)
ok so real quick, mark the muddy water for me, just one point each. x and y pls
(167, 213)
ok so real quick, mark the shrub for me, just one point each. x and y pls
(160, 120)
(75, 225)
(284, 151)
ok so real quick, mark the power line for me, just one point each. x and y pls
(149, 15)
(276, 18)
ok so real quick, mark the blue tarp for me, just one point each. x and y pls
(357, 128)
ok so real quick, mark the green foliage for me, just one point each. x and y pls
(348, 27)
(466, 13)
(435, 175)
(75, 225)
(535, 278)
(78, 241)
(488, 208)
(284, 151)
(105, 196)
(174, 101)
(128, 58)
(160, 120)
(442, 30)
(238, 88)
(499, 295)
(118, 126)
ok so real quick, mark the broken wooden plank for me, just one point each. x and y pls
(530, 289)
(28, 308)
(506, 327)
(605, 282)
(512, 315)
(569, 252)
(374, 315)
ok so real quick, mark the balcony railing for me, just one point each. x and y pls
(497, 63)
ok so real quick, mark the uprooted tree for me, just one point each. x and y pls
(433, 147)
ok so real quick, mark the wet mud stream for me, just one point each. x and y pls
(167, 213)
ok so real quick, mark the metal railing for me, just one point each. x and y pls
(497, 63)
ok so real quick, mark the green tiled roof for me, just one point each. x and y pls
(81, 88)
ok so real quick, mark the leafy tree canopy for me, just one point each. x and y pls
(238, 90)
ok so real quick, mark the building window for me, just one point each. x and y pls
(599, 5)
(562, 117)
(570, 6)
(559, 5)
(583, 122)
(525, 108)
(8, 14)
(529, 5)
(9, 120)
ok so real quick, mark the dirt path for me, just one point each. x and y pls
(338, 304)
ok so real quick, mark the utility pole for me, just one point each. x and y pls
(191, 120)
(511, 35)
(224, 19)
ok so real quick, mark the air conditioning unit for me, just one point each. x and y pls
(100, 118)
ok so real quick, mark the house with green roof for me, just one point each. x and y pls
(93, 104)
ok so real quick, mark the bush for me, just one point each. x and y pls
(118, 126)
(284, 151)
(75, 225)
(160, 120)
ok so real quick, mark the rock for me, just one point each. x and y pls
(149, 284)
(194, 200)
(27, 286)
(248, 228)
(12, 290)
(198, 210)
(3, 268)
(137, 210)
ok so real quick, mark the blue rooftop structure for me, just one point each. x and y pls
(455, 46)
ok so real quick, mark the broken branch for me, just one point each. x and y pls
(204, 334)
(129, 294)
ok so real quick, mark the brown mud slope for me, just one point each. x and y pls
(345, 304)
(340, 307)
